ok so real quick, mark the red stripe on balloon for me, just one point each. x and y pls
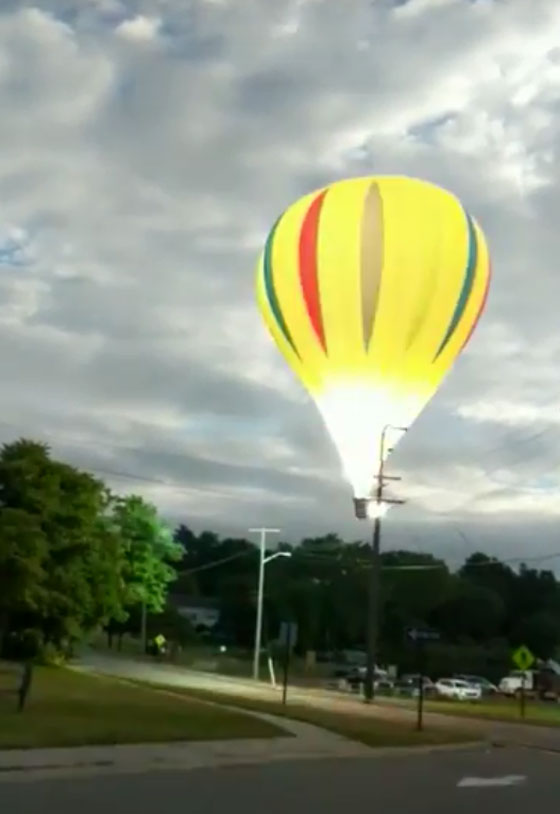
(481, 309)
(308, 266)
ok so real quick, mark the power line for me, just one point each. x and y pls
(144, 479)
(216, 563)
(469, 499)
(501, 487)
(120, 473)
(469, 565)
(339, 558)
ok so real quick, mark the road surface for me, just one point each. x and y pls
(484, 781)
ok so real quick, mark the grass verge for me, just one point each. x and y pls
(500, 709)
(541, 714)
(366, 729)
(67, 708)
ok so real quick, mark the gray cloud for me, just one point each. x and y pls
(141, 174)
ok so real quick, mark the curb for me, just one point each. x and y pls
(534, 747)
(85, 767)
(43, 767)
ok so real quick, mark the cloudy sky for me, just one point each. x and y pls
(145, 148)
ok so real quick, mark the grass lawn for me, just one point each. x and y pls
(364, 728)
(66, 708)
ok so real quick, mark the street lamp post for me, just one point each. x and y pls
(376, 509)
(263, 560)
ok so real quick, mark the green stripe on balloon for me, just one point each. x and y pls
(466, 289)
(270, 291)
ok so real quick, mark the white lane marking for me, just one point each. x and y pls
(484, 782)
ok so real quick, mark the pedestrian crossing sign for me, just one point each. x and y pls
(523, 658)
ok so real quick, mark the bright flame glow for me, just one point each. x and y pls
(355, 415)
(377, 510)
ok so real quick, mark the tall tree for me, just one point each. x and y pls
(149, 549)
(23, 549)
(63, 510)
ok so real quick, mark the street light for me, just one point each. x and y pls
(377, 510)
(277, 554)
(263, 560)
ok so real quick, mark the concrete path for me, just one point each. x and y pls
(303, 742)
(542, 737)
(308, 742)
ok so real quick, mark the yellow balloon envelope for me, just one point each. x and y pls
(371, 287)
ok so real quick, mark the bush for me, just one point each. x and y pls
(50, 656)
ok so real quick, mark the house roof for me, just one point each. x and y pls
(194, 602)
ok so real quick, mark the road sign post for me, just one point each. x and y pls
(288, 637)
(420, 636)
(523, 660)
(420, 709)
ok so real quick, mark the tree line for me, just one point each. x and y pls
(482, 611)
(76, 558)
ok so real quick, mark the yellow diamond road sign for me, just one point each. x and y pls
(523, 657)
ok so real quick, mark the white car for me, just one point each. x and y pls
(458, 690)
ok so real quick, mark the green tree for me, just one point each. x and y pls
(540, 632)
(76, 551)
(474, 613)
(23, 549)
(149, 549)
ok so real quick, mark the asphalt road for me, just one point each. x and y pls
(416, 784)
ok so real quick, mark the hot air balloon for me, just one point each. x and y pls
(370, 288)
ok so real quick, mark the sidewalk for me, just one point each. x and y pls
(308, 742)
(499, 732)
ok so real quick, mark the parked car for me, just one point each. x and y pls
(512, 684)
(543, 683)
(458, 690)
(547, 683)
(486, 686)
(408, 685)
(381, 681)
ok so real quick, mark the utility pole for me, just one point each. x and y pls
(377, 508)
(260, 596)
